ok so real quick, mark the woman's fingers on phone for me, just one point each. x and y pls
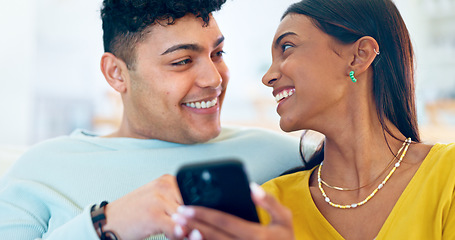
(202, 231)
(214, 224)
(179, 232)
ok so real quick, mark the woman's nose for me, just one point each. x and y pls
(270, 77)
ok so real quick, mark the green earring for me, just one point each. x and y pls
(351, 75)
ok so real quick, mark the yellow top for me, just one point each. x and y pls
(425, 210)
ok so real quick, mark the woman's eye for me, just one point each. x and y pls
(183, 62)
(285, 47)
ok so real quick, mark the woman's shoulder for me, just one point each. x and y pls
(288, 181)
(443, 151)
(440, 160)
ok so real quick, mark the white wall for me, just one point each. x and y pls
(50, 52)
(68, 79)
(249, 28)
(17, 68)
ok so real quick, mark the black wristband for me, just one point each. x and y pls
(99, 220)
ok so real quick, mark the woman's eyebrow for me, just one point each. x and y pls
(278, 40)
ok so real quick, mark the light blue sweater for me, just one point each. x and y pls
(47, 193)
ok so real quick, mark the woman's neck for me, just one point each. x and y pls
(358, 152)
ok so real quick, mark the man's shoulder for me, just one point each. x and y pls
(73, 141)
(265, 153)
(241, 133)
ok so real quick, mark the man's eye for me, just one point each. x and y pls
(285, 47)
(183, 62)
(219, 53)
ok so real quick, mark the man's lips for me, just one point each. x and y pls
(283, 94)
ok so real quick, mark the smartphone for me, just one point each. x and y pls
(221, 185)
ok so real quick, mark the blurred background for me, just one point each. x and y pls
(51, 82)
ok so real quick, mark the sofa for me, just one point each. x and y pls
(9, 154)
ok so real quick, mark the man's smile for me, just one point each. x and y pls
(202, 104)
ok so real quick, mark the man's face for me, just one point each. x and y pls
(177, 86)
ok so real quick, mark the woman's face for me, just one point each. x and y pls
(309, 74)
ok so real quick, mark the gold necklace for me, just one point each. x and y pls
(380, 186)
(371, 182)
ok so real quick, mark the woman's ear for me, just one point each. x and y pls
(115, 72)
(365, 50)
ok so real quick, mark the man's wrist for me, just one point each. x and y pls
(99, 221)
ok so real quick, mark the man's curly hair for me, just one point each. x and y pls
(126, 22)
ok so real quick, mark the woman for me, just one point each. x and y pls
(345, 68)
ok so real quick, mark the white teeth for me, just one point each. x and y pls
(284, 94)
(202, 104)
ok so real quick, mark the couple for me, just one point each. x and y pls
(340, 67)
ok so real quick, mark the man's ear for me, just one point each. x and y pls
(365, 50)
(115, 72)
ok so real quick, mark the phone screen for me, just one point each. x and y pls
(221, 185)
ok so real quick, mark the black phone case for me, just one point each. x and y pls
(221, 185)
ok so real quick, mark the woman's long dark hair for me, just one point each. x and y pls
(393, 79)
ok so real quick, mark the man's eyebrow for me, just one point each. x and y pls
(278, 40)
(185, 46)
(218, 41)
(191, 46)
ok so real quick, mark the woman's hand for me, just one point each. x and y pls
(203, 223)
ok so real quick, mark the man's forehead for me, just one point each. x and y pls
(186, 30)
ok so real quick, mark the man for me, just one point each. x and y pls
(165, 58)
